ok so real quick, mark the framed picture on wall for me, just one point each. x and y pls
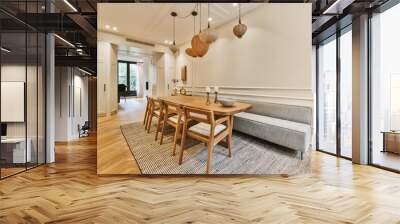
(184, 73)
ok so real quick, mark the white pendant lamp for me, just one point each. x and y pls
(209, 35)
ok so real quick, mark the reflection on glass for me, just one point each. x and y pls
(31, 98)
(327, 96)
(346, 94)
(385, 84)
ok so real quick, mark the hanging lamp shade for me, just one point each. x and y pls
(191, 52)
(199, 47)
(173, 46)
(209, 35)
(240, 29)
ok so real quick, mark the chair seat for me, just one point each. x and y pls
(175, 119)
(204, 129)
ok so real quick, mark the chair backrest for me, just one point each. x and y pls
(172, 108)
(200, 115)
(154, 102)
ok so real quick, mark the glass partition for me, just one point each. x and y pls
(22, 101)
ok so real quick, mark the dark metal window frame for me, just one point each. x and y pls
(128, 77)
(336, 38)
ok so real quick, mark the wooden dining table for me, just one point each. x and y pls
(200, 102)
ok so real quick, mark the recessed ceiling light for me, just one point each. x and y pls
(235, 4)
(209, 19)
(115, 28)
(107, 26)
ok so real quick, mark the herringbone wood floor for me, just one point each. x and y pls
(70, 191)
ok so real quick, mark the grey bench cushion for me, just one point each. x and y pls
(294, 113)
(294, 135)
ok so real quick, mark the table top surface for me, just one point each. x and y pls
(200, 102)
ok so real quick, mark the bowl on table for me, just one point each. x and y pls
(227, 102)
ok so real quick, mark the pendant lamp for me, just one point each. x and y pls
(209, 35)
(198, 45)
(240, 29)
(173, 46)
(190, 51)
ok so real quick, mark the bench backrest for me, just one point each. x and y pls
(301, 114)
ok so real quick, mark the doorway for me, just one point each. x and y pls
(128, 76)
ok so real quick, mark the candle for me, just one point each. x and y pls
(208, 89)
(216, 89)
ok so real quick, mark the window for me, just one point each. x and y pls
(346, 93)
(127, 75)
(385, 89)
(335, 94)
(327, 96)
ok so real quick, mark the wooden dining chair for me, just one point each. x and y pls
(173, 116)
(208, 130)
(146, 113)
(155, 111)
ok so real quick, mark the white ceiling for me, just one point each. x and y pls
(152, 22)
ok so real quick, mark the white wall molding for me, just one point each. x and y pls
(251, 88)
(261, 95)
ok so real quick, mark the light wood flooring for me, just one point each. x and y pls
(113, 154)
(70, 191)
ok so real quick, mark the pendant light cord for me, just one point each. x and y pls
(208, 15)
(240, 18)
(200, 18)
(174, 29)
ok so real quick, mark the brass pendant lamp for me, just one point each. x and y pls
(240, 29)
(173, 46)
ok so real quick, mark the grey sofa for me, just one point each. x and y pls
(286, 125)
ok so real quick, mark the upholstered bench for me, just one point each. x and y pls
(286, 125)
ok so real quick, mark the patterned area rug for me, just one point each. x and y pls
(249, 155)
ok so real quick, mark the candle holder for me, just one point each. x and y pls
(216, 97)
(208, 99)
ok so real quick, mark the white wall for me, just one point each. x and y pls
(70, 84)
(271, 62)
(158, 69)
(107, 81)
